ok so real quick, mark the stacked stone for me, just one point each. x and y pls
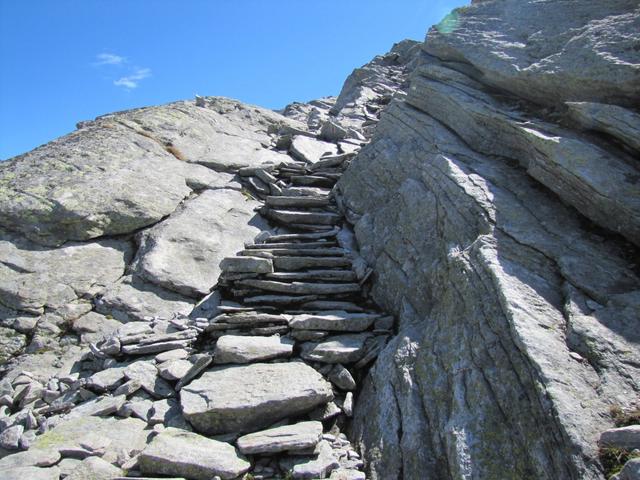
(262, 389)
(292, 312)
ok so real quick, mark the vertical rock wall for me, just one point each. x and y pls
(501, 228)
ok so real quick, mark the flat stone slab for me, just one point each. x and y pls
(300, 288)
(310, 150)
(338, 321)
(247, 349)
(300, 263)
(248, 397)
(296, 217)
(297, 202)
(246, 264)
(321, 466)
(324, 275)
(192, 456)
(338, 349)
(281, 439)
(626, 438)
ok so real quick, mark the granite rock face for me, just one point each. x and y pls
(495, 231)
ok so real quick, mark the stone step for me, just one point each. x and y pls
(342, 349)
(300, 436)
(248, 318)
(301, 202)
(247, 349)
(301, 244)
(320, 275)
(301, 263)
(320, 305)
(279, 299)
(331, 161)
(244, 398)
(296, 217)
(305, 191)
(297, 252)
(302, 236)
(300, 287)
(336, 321)
(311, 181)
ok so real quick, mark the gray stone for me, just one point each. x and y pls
(94, 468)
(630, 470)
(99, 406)
(218, 403)
(179, 354)
(106, 434)
(30, 458)
(175, 452)
(337, 349)
(299, 436)
(200, 362)
(32, 473)
(107, 379)
(300, 288)
(147, 373)
(624, 438)
(330, 275)
(11, 343)
(246, 349)
(297, 202)
(131, 298)
(292, 217)
(332, 131)
(10, 437)
(347, 474)
(310, 150)
(300, 263)
(246, 264)
(183, 252)
(174, 369)
(318, 467)
(94, 327)
(340, 321)
(341, 378)
(128, 388)
(46, 277)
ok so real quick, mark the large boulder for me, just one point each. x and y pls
(218, 402)
(37, 277)
(183, 253)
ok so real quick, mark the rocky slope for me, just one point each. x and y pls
(198, 290)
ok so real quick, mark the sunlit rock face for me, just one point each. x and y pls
(498, 206)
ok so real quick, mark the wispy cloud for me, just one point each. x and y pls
(109, 59)
(132, 80)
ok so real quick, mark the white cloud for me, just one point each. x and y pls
(132, 80)
(109, 59)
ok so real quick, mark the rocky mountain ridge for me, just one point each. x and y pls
(210, 280)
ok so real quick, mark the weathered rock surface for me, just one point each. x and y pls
(192, 456)
(515, 310)
(246, 349)
(300, 436)
(183, 253)
(217, 403)
(35, 277)
(131, 298)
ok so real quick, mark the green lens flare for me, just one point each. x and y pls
(449, 23)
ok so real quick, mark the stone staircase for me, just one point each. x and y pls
(262, 388)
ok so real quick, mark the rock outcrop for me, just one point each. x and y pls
(500, 229)
(433, 275)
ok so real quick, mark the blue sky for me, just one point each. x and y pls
(69, 60)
